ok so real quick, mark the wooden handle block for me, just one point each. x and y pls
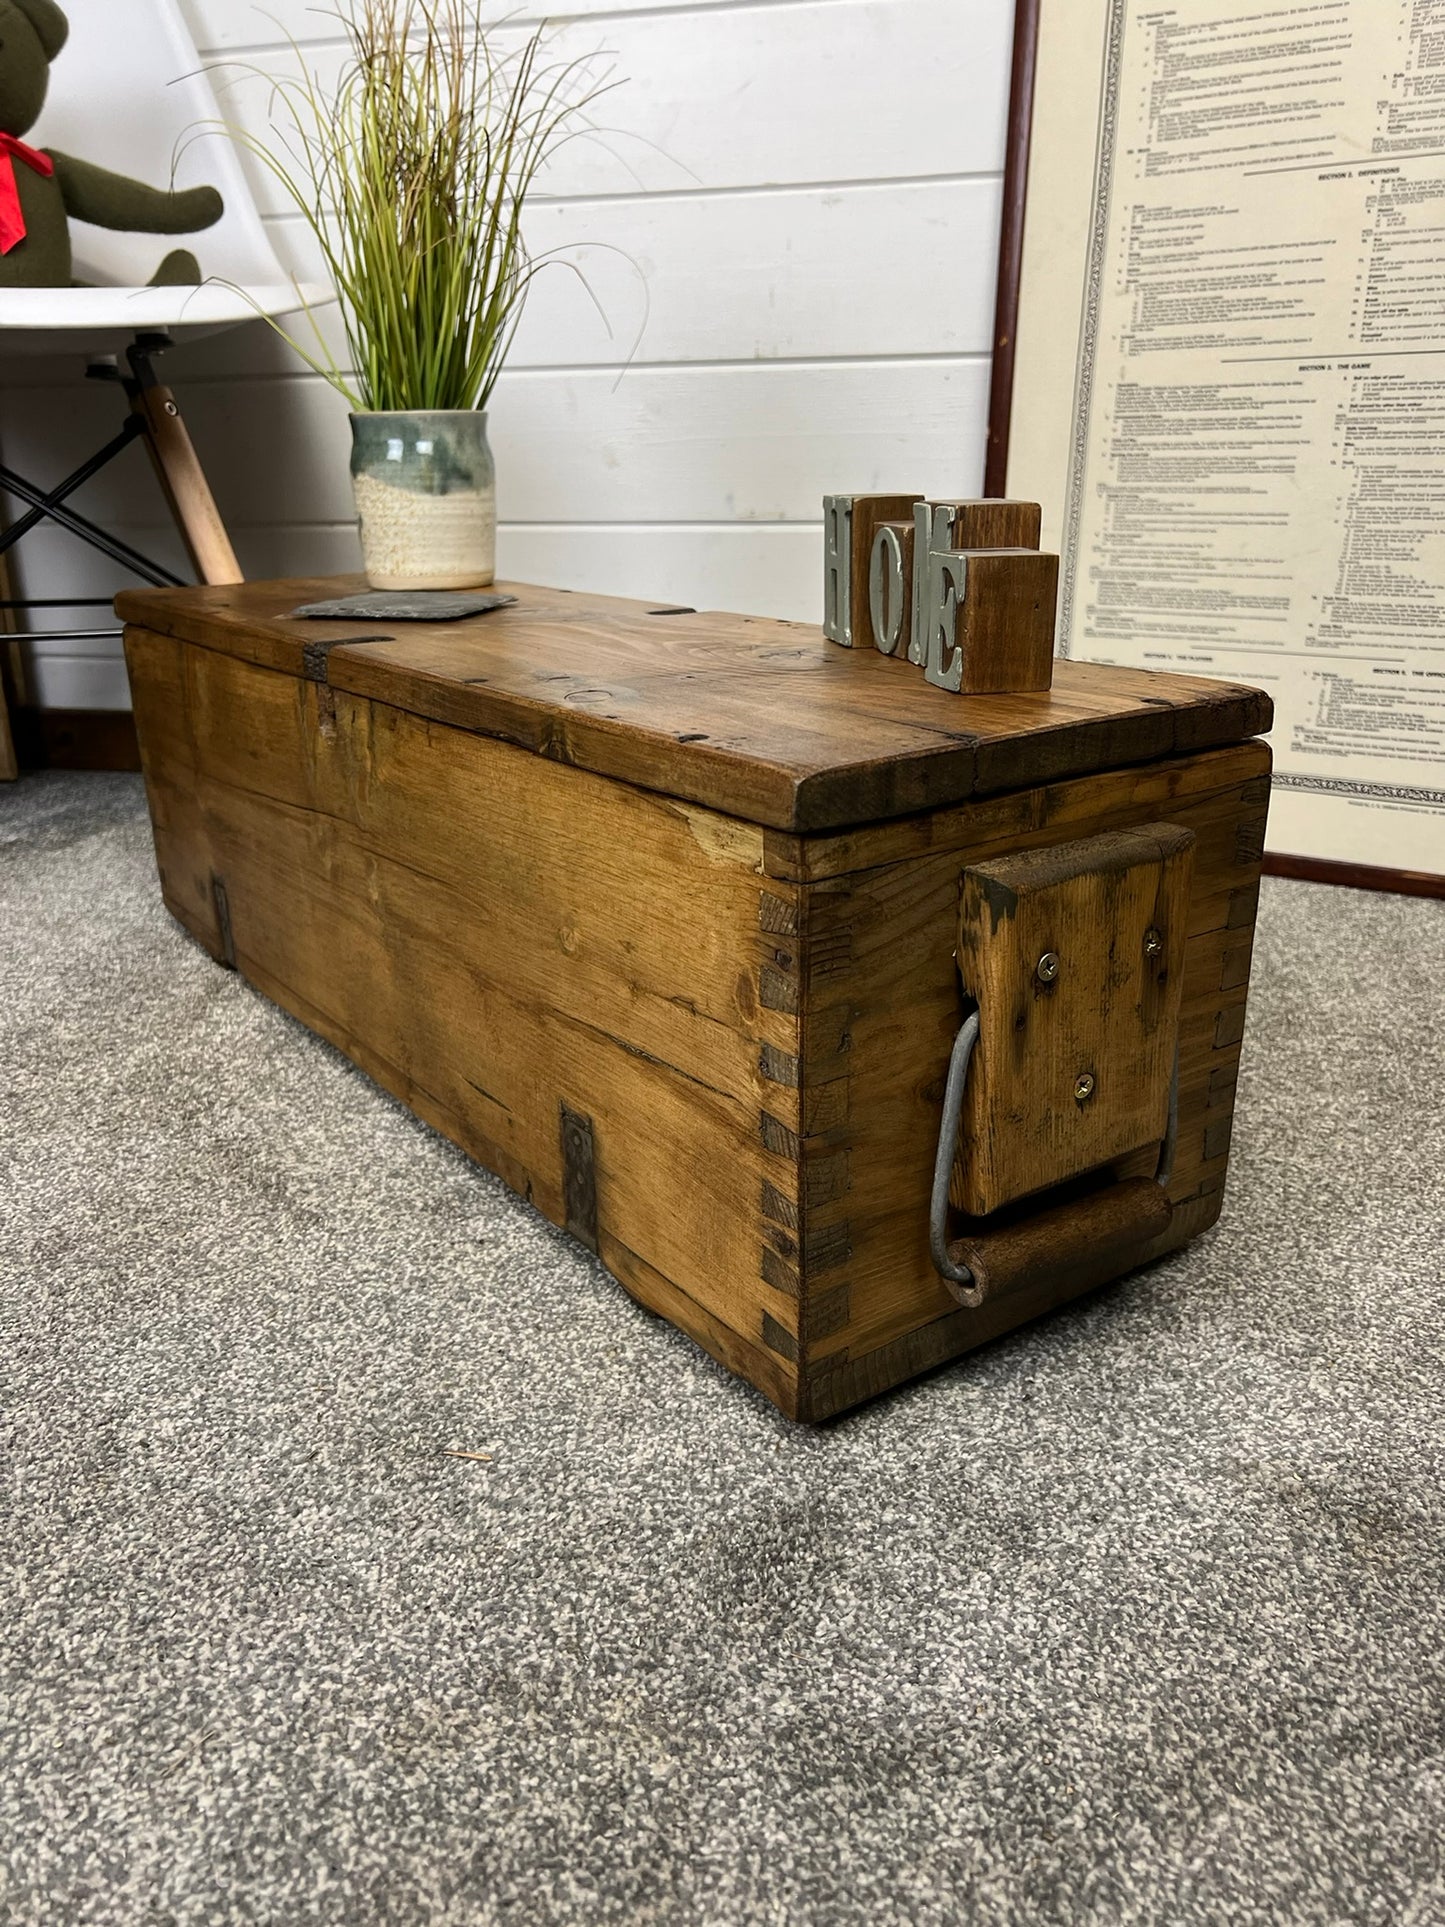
(1104, 1225)
(1111, 912)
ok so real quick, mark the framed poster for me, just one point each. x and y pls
(1222, 324)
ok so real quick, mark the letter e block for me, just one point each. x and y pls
(990, 618)
(987, 523)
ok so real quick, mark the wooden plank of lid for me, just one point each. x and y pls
(761, 719)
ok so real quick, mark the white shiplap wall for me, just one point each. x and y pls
(809, 190)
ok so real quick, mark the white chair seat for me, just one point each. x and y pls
(104, 321)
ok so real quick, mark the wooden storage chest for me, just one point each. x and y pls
(656, 914)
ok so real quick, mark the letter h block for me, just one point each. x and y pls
(850, 532)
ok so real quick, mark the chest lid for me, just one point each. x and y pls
(763, 720)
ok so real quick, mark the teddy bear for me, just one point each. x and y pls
(41, 192)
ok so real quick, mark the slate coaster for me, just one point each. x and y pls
(420, 605)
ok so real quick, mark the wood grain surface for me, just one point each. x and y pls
(883, 1003)
(715, 1047)
(1006, 620)
(1109, 914)
(502, 943)
(762, 720)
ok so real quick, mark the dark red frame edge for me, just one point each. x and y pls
(1011, 244)
(1352, 876)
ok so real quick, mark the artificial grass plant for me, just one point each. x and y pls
(412, 172)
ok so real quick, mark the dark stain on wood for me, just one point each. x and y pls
(781, 1210)
(316, 655)
(224, 932)
(827, 1314)
(781, 1276)
(779, 1138)
(1230, 1027)
(579, 1177)
(1216, 1138)
(776, 990)
(779, 1339)
(777, 916)
(780, 1067)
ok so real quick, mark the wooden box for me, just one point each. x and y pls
(658, 915)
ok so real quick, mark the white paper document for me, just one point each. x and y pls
(1230, 390)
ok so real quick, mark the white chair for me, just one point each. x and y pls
(127, 92)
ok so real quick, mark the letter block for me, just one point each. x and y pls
(838, 569)
(989, 623)
(989, 523)
(960, 588)
(849, 523)
(890, 588)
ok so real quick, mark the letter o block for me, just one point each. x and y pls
(866, 514)
(890, 587)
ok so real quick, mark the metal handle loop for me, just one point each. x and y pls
(966, 1288)
(959, 1276)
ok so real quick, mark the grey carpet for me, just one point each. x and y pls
(1135, 1617)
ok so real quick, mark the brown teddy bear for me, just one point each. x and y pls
(41, 192)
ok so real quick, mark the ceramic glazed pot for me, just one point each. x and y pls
(427, 497)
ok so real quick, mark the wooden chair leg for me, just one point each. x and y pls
(9, 766)
(184, 485)
(183, 482)
(12, 686)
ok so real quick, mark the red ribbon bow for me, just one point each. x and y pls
(12, 219)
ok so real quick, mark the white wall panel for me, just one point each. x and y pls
(766, 571)
(734, 443)
(901, 268)
(818, 91)
(809, 190)
(69, 680)
(236, 26)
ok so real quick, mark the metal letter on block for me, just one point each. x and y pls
(946, 585)
(896, 577)
(869, 514)
(838, 569)
(933, 528)
(889, 599)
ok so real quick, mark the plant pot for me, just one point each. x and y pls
(426, 494)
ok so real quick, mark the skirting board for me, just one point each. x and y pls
(75, 738)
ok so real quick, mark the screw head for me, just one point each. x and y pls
(1153, 942)
(1084, 1086)
(1047, 967)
